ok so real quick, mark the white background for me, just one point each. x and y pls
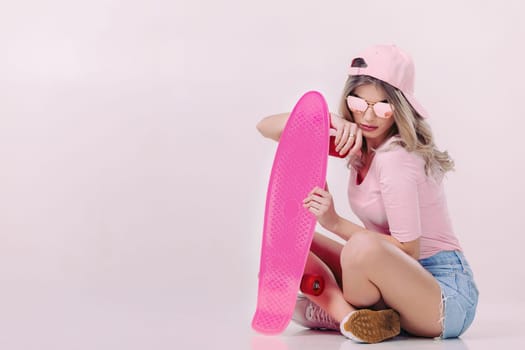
(130, 166)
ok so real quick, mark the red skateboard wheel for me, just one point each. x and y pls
(312, 284)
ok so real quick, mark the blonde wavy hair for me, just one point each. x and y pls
(414, 132)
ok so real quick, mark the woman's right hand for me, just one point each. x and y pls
(348, 136)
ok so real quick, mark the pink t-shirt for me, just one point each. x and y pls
(397, 198)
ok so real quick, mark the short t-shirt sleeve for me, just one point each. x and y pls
(399, 173)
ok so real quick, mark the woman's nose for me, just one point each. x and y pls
(369, 113)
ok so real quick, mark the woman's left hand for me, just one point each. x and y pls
(320, 203)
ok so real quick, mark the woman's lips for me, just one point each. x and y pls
(365, 127)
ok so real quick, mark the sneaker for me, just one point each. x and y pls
(310, 315)
(368, 326)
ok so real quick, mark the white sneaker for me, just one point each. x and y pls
(310, 315)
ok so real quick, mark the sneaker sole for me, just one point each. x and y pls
(370, 326)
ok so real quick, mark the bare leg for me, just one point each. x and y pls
(331, 299)
(375, 269)
(329, 251)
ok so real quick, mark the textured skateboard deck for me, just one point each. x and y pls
(299, 165)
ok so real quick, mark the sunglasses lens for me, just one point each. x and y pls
(356, 104)
(383, 110)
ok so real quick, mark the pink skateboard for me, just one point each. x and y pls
(299, 165)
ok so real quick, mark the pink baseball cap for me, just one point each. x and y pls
(391, 65)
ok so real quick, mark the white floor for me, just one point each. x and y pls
(82, 318)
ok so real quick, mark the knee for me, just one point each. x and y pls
(361, 248)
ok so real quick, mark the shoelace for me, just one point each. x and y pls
(315, 313)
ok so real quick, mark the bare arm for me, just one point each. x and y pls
(273, 125)
(347, 135)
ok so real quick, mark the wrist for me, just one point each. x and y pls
(333, 116)
(332, 224)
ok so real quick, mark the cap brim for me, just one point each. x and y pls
(416, 105)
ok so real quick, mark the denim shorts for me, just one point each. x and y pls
(458, 290)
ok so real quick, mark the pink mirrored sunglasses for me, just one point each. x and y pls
(359, 105)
